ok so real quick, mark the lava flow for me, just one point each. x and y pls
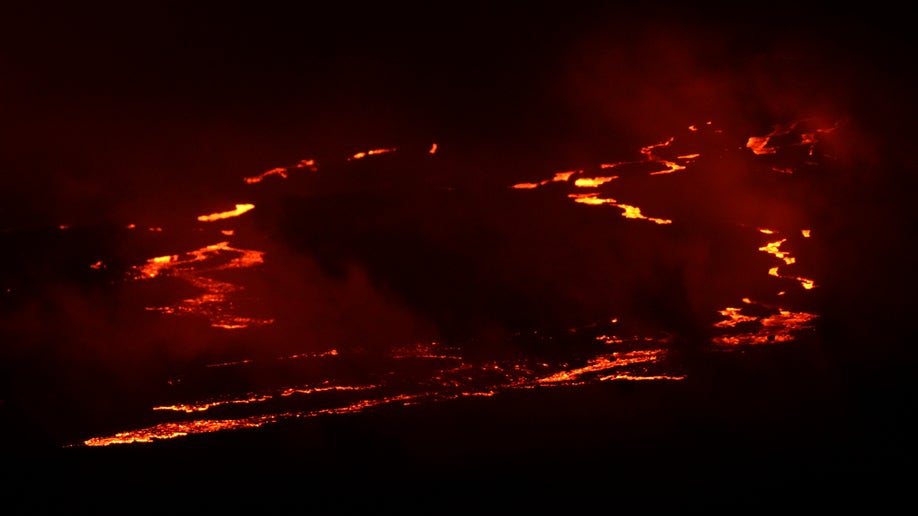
(610, 349)
(216, 302)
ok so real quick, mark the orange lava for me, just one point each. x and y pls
(278, 171)
(372, 152)
(733, 318)
(563, 176)
(780, 326)
(201, 407)
(179, 429)
(633, 212)
(526, 186)
(773, 248)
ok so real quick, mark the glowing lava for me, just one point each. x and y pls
(283, 172)
(179, 429)
(373, 152)
(592, 182)
(797, 135)
(633, 212)
(774, 248)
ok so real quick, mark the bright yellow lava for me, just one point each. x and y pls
(563, 176)
(777, 327)
(733, 318)
(773, 248)
(179, 429)
(240, 209)
(590, 182)
(758, 145)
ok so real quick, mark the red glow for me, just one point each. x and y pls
(307, 164)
